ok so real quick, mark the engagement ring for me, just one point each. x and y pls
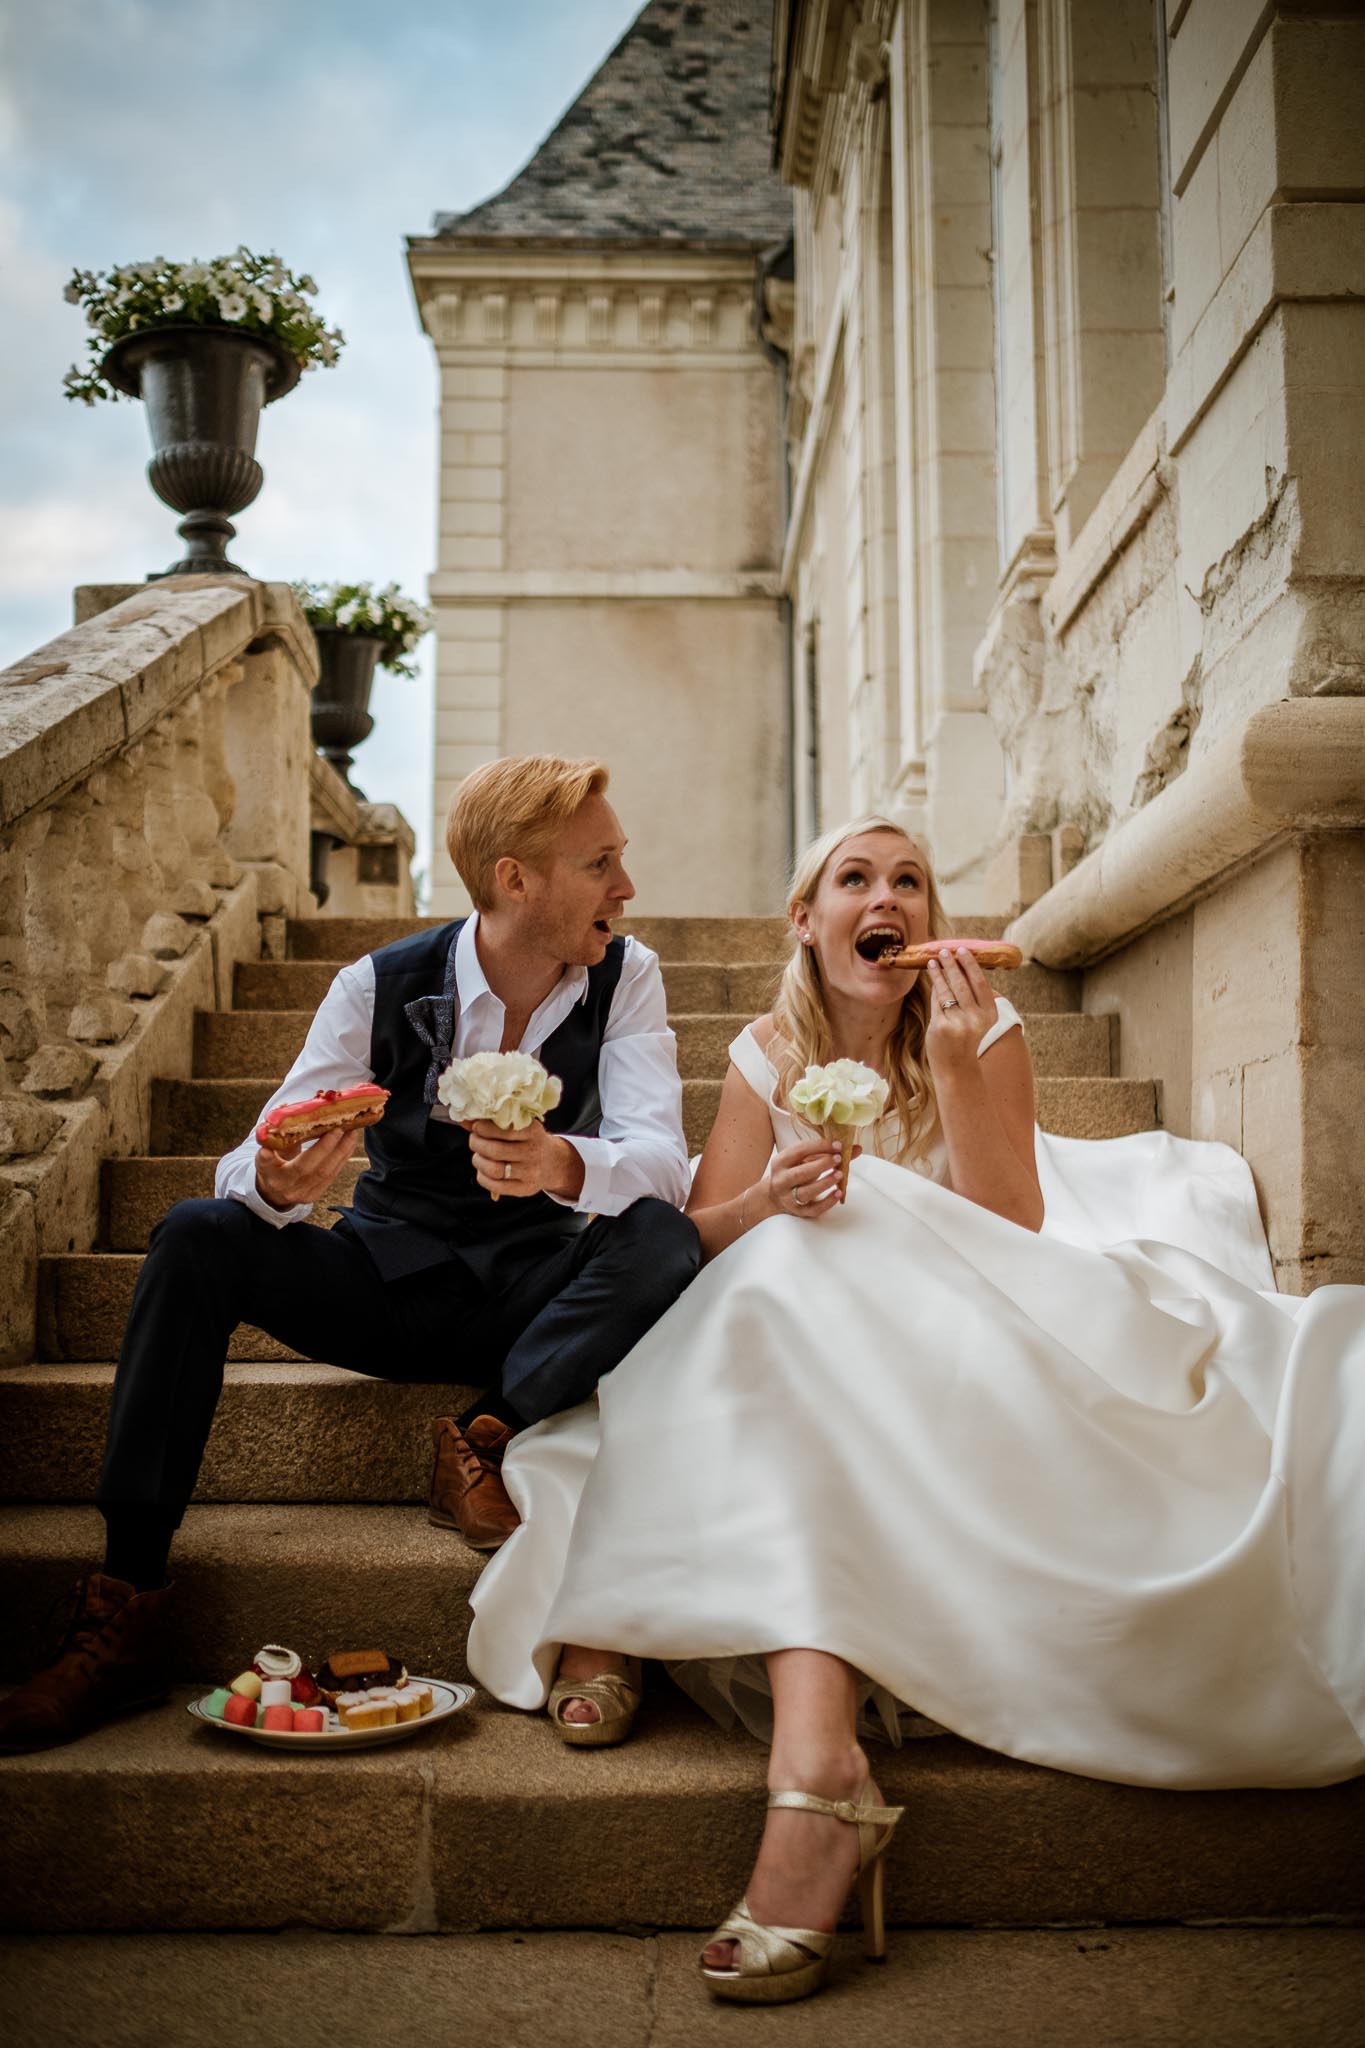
(507, 1170)
(950, 1002)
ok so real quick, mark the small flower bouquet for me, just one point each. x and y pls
(359, 608)
(837, 1100)
(251, 294)
(509, 1089)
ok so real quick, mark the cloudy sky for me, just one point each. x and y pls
(325, 130)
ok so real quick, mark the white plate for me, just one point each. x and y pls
(448, 1699)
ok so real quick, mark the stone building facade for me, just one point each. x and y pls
(1077, 533)
(611, 461)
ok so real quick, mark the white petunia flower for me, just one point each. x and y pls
(172, 302)
(232, 306)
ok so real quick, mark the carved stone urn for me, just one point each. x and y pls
(203, 388)
(341, 695)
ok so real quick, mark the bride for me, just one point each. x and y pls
(1018, 1436)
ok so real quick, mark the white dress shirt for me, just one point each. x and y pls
(639, 1149)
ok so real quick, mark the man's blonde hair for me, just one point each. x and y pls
(515, 807)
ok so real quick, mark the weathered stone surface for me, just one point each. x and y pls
(166, 936)
(136, 974)
(230, 1042)
(1125, 1987)
(19, 1265)
(26, 1126)
(193, 899)
(137, 1193)
(101, 1020)
(664, 1837)
(58, 1071)
(19, 1025)
(83, 1303)
(208, 1116)
(316, 1577)
(281, 1433)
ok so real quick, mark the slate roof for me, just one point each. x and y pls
(669, 141)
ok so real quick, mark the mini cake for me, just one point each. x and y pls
(363, 1710)
(358, 1671)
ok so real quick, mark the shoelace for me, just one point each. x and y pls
(74, 1638)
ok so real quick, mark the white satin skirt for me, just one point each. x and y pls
(1094, 1498)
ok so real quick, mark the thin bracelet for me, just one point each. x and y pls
(743, 1226)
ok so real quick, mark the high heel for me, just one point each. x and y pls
(777, 1964)
(616, 1696)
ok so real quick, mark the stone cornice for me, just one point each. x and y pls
(1297, 765)
(552, 586)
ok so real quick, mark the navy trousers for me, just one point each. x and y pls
(544, 1341)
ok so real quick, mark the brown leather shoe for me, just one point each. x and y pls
(467, 1492)
(112, 1659)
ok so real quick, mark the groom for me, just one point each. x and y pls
(424, 1277)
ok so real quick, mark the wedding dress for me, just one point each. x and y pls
(1094, 1498)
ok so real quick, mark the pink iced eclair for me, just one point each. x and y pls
(333, 1109)
(986, 952)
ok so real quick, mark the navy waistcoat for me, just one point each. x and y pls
(419, 1204)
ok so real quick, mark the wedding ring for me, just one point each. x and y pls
(798, 1198)
(950, 1002)
(507, 1170)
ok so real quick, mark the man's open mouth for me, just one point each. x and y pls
(878, 939)
(603, 925)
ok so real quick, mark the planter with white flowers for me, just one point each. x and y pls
(204, 346)
(358, 629)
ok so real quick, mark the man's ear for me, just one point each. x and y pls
(510, 879)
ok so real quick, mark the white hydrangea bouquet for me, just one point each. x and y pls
(361, 608)
(838, 1100)
(250, 293)
(509, 1089)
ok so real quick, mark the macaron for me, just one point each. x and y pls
(216, 1703)
(275, 1692)
(278, 1717)
(241, 1711)
(246, 1685)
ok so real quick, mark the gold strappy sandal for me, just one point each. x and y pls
(616, 1696)
(777, 1964)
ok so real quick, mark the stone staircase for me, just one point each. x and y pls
(308, 1528)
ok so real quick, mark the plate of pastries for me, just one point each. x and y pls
(356, 1699)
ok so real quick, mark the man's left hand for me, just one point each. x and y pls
(530, 1162)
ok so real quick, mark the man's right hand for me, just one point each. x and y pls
(287, 1179)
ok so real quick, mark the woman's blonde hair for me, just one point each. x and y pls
(801, 1035)
(515, 806)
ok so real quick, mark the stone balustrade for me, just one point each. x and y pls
(157, 791)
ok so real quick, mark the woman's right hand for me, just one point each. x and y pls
(803, 1180)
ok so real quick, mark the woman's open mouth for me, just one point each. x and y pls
(879, 939)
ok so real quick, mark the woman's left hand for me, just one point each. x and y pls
(962, 1010)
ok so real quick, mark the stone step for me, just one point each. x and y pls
(138, 1192)
(83, 1303)
(490, 1821)
(1128, 1987)
(743, 988)
(282, 1433)
(672, 938)
(315, 1577)
(232, 1042)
